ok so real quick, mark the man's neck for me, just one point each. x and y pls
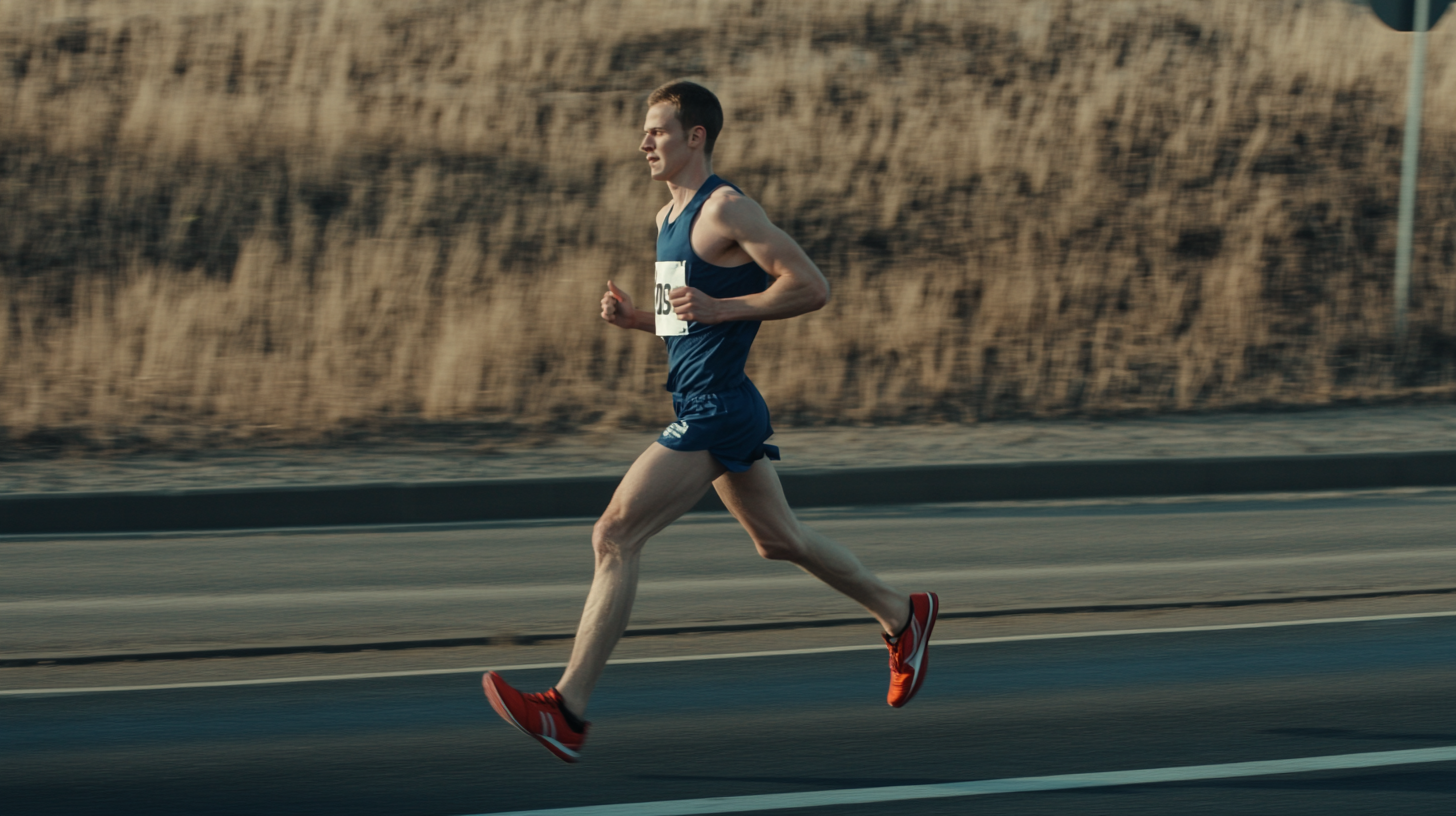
(687, 182)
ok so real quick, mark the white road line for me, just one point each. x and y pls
(725, 656)
(1025, 784)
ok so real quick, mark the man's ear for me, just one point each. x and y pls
(697, 135)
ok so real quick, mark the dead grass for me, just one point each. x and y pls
(231, 219)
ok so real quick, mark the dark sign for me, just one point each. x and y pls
(1401, 14)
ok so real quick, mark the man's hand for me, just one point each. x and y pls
(617, 308)
(691, 304)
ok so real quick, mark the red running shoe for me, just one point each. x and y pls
(536, 715)
(909, 658)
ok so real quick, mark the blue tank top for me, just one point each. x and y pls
(708, 359)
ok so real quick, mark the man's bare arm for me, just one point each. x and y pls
(798, 288)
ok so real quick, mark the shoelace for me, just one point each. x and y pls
(543, 697)
(895, 649)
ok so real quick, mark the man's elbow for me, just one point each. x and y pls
(819, 298)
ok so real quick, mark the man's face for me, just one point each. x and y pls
(667, 147)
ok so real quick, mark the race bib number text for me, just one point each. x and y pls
(670, 275)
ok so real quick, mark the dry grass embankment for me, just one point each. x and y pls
(235, 219)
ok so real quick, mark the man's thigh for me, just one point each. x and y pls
(659, 487)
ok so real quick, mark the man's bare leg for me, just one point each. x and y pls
(659, 487)
(756, 499)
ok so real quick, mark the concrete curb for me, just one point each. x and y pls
(272, 650)
(548, 498)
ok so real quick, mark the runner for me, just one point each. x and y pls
(722, 268)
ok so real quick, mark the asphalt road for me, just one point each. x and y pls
(774, 725)
(129, 593)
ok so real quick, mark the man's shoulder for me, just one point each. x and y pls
(728, 204)
(725, 194)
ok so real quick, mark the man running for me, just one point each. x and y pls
(722, 268)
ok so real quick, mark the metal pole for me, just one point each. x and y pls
(1409, 164)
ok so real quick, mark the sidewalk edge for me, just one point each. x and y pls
(550, 498)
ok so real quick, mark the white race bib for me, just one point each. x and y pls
(670, 275)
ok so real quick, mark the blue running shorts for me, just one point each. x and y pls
(732, 425)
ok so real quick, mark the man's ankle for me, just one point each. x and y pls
(909, 616)
(571, 709)
(576, 723)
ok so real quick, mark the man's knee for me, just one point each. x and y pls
(779, 546)
(612, 539)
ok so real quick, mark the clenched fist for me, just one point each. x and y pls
(695, 305)
(617, 308)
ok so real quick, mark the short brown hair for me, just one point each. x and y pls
(696, 106)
